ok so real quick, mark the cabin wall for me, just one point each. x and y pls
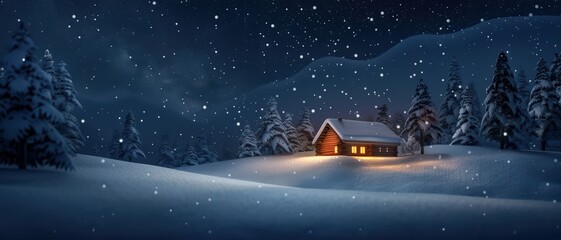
(327, 141)
(370, 149)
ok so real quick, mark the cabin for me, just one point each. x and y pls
(355, 138)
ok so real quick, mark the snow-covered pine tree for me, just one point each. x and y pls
(555, 76)
(477, 112)
(203, 151)
(115, 145)
(449, 109)
(64, 99)
(166, 156)
(384, 118)
(178, 152)
(248, 144)
(271, 134)
(292, 134)
(398, 119)
(306, 131)
(27, 116)
(422, 124)
(544, 107)
(523, 86)
(190, 157)
(502, 119)
(130, 148)
(467, 128)
(48, 64)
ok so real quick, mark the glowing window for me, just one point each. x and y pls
(336, 149)
(362, 150)
(353, 149)
(386, 149)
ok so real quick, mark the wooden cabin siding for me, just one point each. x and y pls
(327, 142)
(384, 150)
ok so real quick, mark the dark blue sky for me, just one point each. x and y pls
(193, 53)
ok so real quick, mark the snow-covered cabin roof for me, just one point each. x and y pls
(359, 131)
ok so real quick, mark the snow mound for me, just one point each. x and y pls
(459, 170)
(108, 199)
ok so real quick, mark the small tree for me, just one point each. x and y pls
(502, 120)
(422, 124)
(523, 86)
(190, 157)
(384, 118)
(203, 151)
(248, 144)
(115, 145)
(544, 106)
(306, 131)
(130, 148)
(292, 134)
(467, 128)
(449, 109)
(477, 112)
(165, 153)
(27, 117)
(271, 133)
(555, 76)
(65, 100)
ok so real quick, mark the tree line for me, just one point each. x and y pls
(513, 115)
(36, 123)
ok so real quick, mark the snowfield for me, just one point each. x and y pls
(323, 198)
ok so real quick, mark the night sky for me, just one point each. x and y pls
(186, 54)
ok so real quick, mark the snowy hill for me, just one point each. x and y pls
(106, 199)
(458, 170)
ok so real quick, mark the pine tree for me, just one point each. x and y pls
(544, 107)
(449, 109)
(556, 73)
(384, 118)
(467, 128)
(190, 157)
(27, 116)
(2, 73)
(306, 131)
(203, 151)
(48, 64)
(523, 86)
(178, 153)
(130, 148)
(502, 119)
(248, 144)
(292, 134)
(477, 112)
(115, 145)
(421, 123)
(271, 133)
(165, 152)
(64, 99)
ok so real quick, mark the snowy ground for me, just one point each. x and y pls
(459, 170)
(107, 199)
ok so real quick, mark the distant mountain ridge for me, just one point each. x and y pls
(339, 87)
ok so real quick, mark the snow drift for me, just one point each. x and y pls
(106, 199)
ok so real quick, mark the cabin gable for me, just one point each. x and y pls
(328, 143)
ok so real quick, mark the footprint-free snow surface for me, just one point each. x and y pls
(437, 197)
